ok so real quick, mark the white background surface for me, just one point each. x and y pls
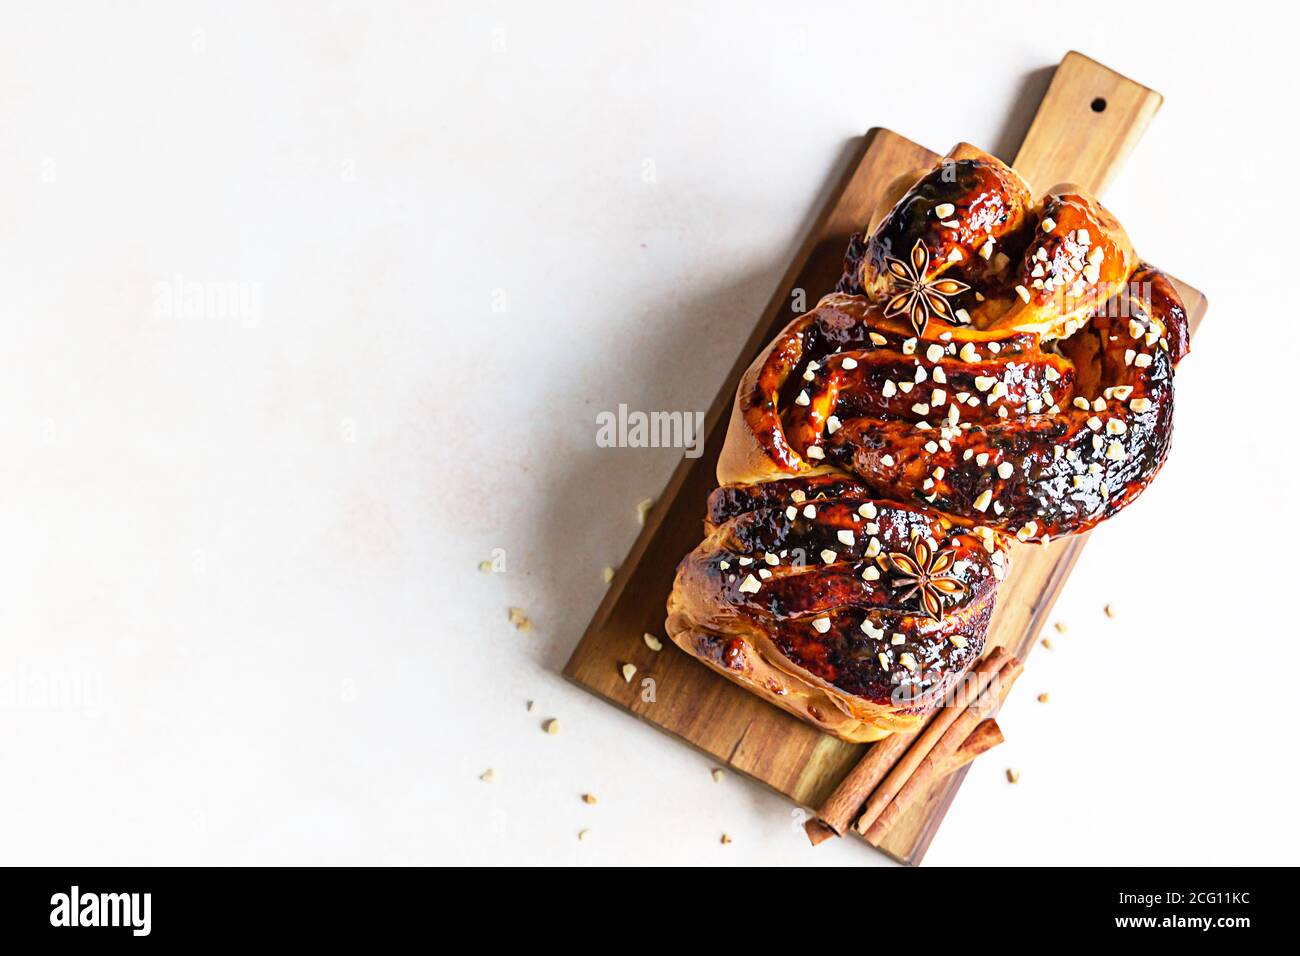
(245, 545)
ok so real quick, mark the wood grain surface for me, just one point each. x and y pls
(1089, 120)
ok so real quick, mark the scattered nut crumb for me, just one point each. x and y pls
(520, 620)
(529, 705)
(643, 508)
(583, 834)
(552, 726)
(589, 798)
(488, 775)
(652, 642)
(607, 574)
(726, 838)
(1060, 627)
(1042, 698)
(718, 774)
(1013, 776)
(1047, 643)
(629, 670)
(1110, 610)
(485, 566)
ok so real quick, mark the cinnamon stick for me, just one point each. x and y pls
(845, 803)
(972, 688)
(945, 756)
(986, 735)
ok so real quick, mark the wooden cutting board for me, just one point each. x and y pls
(1086, 125)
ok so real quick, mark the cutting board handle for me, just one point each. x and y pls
(1089, 121)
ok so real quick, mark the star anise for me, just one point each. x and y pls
(925, 572)
(918, 296)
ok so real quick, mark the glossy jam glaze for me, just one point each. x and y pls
(830, 597)
(1042, 403)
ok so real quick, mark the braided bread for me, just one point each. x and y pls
(987, 367)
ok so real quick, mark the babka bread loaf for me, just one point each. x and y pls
(988, 367)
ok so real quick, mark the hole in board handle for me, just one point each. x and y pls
(1098, 105)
